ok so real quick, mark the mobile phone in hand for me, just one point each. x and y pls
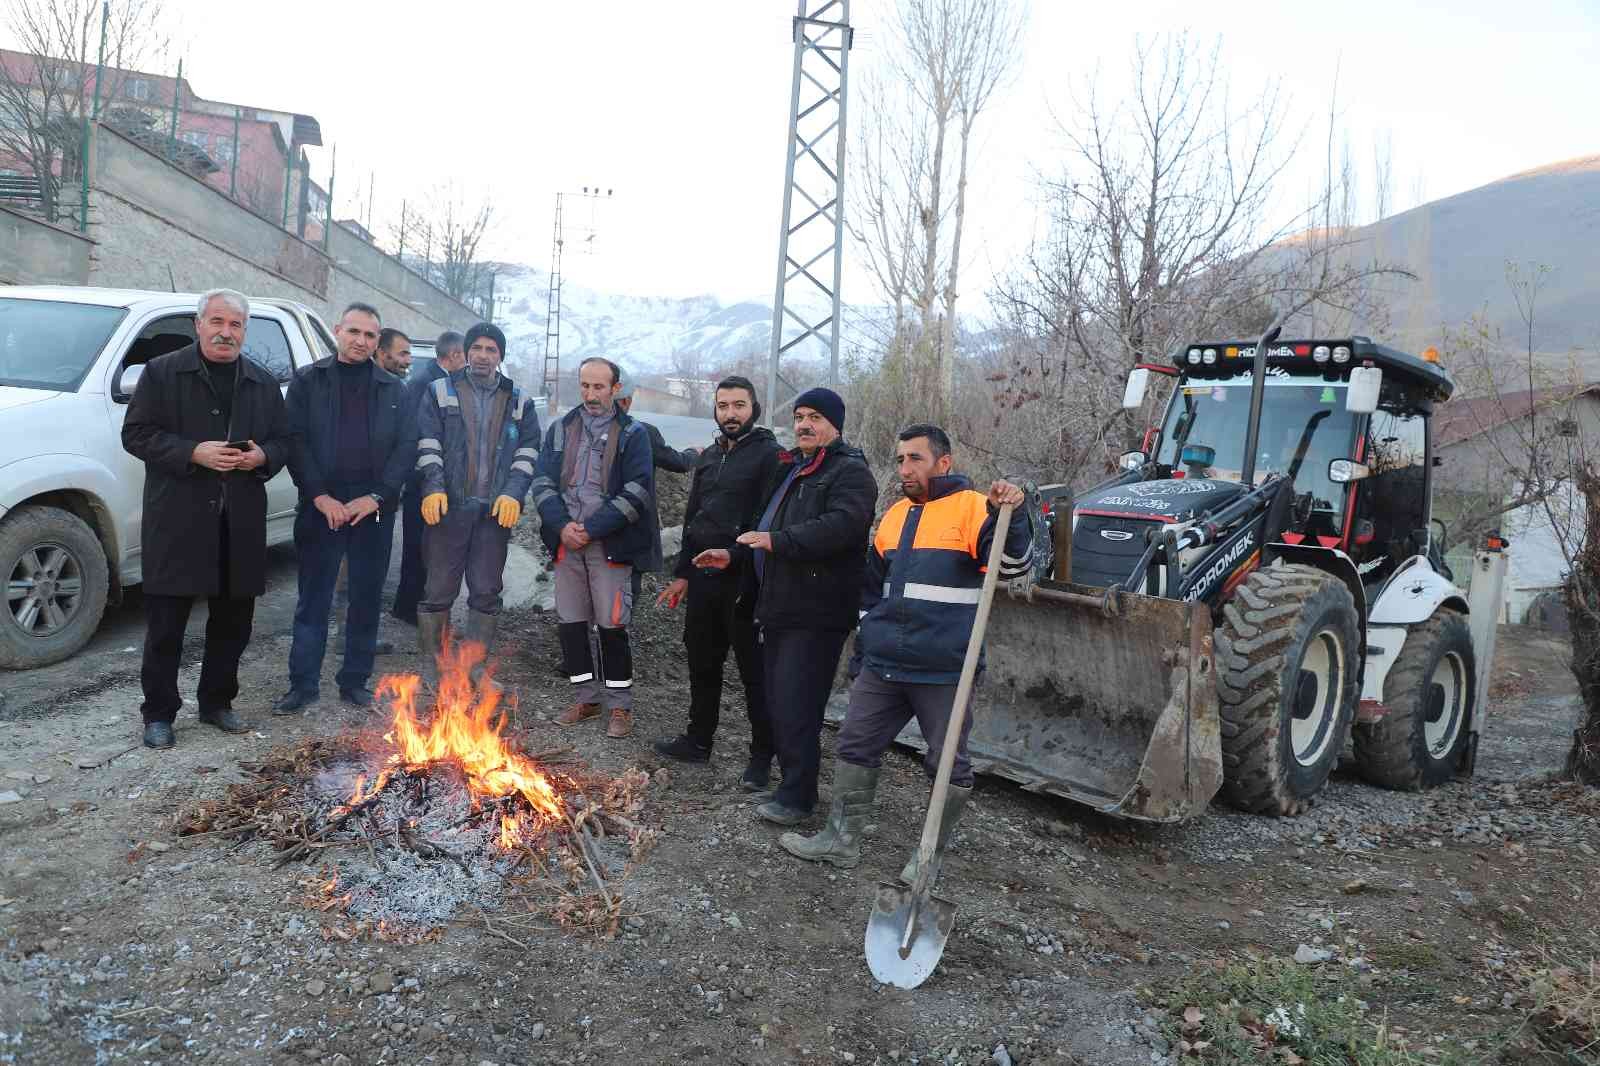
(240, 445)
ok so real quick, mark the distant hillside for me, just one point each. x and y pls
(1459, 246)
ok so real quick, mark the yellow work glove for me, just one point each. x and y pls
(506, 510)
(434, 506)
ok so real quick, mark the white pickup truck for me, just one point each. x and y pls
(70, 497)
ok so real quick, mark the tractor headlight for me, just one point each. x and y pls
(1194, 356)
(1209, 356)
(1341, 354)
(1319, 354)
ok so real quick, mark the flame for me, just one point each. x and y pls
(466, 729)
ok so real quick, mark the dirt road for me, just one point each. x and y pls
(1080, 940)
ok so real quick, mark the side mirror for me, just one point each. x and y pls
(1362, 396)
(1133, 394)
(1343, 470)
(127, 381)
(1132, 460)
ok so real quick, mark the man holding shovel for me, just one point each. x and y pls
(919, 598)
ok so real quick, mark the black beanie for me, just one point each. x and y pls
(485, 329)
(826, 403)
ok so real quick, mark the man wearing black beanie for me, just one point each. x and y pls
(805, 553)
(477, 442)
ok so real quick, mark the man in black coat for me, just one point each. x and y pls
(807, 551)
(727, 491)
(354, 442)
(203, 531)
(448, 357)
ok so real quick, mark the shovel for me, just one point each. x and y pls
(908, 928)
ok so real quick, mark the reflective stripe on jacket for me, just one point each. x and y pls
(923, 579)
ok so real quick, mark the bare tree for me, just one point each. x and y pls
(949, 57)
(447, 233)
(47, 86)
(1161, 231)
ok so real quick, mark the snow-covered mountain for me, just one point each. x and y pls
(647, 334)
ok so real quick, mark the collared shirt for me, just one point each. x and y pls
(588, 491)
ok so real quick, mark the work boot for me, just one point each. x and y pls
(579, 712)
(480, 630)
(159, 735)
(431, 628)
(621, 723)
(225, 719)
(839, 843)
(955, 801)
(683, 748)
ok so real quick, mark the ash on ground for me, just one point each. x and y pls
(424, 850)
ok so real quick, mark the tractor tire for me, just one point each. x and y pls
(55, 576)
(1429, 693)
(1288, 657)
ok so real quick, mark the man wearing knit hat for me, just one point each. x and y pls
(806, 553)
(477, 442)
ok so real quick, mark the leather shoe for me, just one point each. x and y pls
(356, 697)
(684, 749)
(293, 702)
(159, 735)
(621, 723)
(778, 814)
(579, 712)
(756, 775)
(225, 719)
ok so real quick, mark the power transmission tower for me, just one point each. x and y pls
(810, 250)
(552, 313)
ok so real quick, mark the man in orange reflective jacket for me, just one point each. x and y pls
(919, 599)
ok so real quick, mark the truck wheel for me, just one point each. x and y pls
(55, 586)
(1287, 663)
(1429, 694)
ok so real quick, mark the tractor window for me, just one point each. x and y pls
(1392, 512)
(1304, 427)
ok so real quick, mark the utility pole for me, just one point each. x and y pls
(172, 136)
(333, 172)
(810, 251)
(99, 75)
(552, 313)
(233, 168)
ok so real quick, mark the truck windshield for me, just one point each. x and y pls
(49, 344)
(1304, 426)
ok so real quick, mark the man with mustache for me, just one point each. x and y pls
(595, 493)
(806, 554)
(204, 525)
(477, 441)
(354, 442)
(919, 599)
(725, 494)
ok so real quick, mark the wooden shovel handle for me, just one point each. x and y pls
(958, 713)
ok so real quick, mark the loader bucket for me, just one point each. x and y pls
(1109, 700)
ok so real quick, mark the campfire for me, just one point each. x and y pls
(441, 813)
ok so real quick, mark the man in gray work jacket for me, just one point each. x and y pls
(477, 442)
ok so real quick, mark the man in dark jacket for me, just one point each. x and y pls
(354, 442)
(203, 530)
(807, 548)
(725, 496)
(919, 600)
(448, 357)
(477, 441)
(595, 492)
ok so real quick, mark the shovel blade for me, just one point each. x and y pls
(895, 906)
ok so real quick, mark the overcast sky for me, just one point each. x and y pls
(681, 108)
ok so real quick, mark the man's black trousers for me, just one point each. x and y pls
(800, 664)
(413, 570)
(712, 626)
(227, 635)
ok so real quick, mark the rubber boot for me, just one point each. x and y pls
(431, 627)
(955, 801)
(839, 843)
(481, 630)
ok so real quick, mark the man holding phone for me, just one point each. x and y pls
(211, 428)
